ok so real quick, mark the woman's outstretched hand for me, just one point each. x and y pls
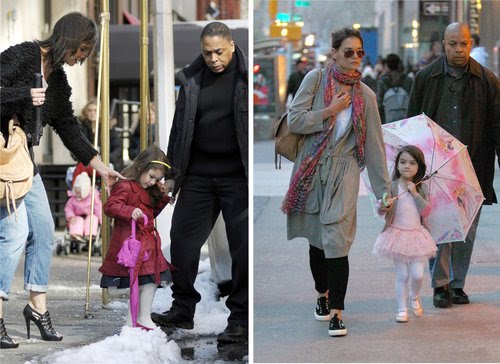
(108, 175)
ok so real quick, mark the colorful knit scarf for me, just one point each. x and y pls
(300, 185)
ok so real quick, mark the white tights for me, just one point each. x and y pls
(146, 297)
(404, 270)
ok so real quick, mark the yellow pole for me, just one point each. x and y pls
(144, 82)
(105, 229)
(96, 135)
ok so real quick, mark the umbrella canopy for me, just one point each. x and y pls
(455, 195)
(130, 256)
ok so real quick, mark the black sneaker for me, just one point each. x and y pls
(173, 318)
(459, 297)
(233, 334)
(322, 312)
(442, 297)
(337, 327)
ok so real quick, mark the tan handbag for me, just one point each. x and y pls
(16, 167)
(287, 144)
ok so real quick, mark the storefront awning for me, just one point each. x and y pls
(124, 47)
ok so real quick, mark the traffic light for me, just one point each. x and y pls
(291, 32)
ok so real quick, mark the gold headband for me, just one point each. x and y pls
(165, 164)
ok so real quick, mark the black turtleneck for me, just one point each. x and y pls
(215, 151)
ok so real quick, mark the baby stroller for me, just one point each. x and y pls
(77, 231)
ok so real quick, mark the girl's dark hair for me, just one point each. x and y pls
(216, 28)
(419, 157)
(340, 35)
(68, 34)
(143, 163)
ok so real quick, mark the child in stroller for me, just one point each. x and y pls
(77, 212)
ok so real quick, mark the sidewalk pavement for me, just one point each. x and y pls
(66, 303)
(284, 297)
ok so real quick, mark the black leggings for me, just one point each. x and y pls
(330, 275)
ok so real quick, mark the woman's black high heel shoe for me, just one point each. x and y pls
(5, 340)
(43, 322)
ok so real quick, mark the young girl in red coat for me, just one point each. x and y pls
(142, 194)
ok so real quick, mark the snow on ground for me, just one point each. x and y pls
(138, 346)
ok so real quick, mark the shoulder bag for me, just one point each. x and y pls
(16, 167)
(287, 144)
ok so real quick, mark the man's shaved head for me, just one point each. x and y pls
(457, 44)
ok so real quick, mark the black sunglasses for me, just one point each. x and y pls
(350, 53)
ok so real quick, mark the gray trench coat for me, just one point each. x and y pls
(329, 219)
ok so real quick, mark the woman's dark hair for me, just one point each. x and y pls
(143, 163)
(419, 157)
(340, 35)
(68, 34)
(216, 28)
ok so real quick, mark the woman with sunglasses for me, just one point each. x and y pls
(343, 135)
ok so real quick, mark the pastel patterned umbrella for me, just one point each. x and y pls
(454, 192)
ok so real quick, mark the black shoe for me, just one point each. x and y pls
(47, 332)
(173, 318)
(322, 312)
(233, 334)
(336, 327)
(442, 297)
(459, 297)
(225, 288)
(6, 341)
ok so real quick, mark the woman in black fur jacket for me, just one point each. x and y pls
(72, 40)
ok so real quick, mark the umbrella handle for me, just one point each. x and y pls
(145, 218)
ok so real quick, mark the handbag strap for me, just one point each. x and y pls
(316, 87)
(145, 218)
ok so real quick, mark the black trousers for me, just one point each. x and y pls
(200, 201)
(330, 275)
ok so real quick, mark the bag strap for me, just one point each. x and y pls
(277, 157)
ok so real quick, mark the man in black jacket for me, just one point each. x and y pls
(464, 98)
(208, 146)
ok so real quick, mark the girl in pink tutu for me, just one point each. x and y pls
(404, 238)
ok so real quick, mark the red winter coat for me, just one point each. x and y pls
(124, 198)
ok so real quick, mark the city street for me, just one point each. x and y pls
(284, 297)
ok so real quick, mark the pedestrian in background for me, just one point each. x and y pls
(403, 238)
(71, 41)
(464, 98)
(392, 106)
(343, 134)
(296, 77)
(478, 52)
(209, 144)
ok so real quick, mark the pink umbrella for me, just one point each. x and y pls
(455, 193)
(130, 256)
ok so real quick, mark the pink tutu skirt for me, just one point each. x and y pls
(405, 244)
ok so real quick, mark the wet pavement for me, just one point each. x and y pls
(66, 300)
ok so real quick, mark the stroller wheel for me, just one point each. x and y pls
(74, 247)
(59, 249)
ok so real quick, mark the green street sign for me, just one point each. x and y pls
(283, 17)
(302, 4)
